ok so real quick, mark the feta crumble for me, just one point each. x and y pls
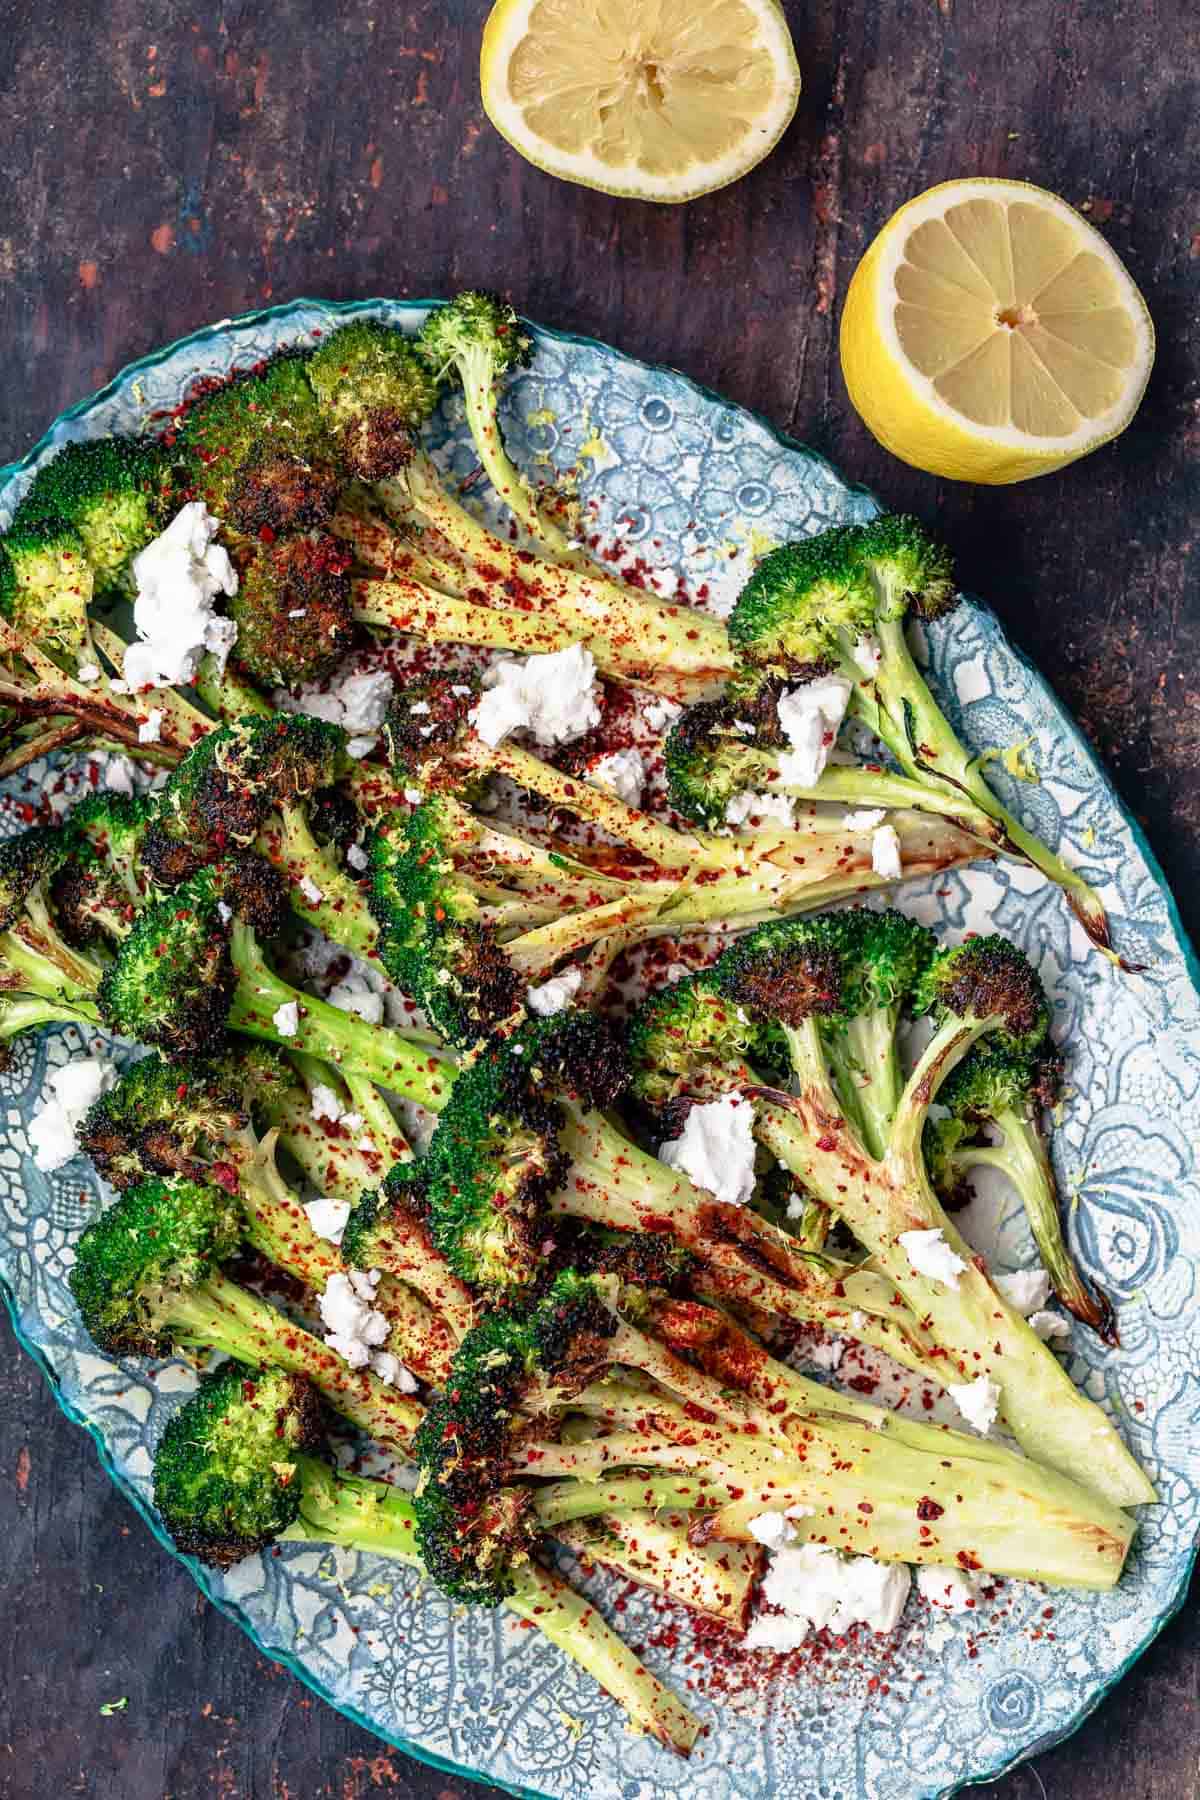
(622, 773)
(809, 717)
(885, 852)
(867, 820)
(931, 1255)
(356, 995)
(73, 1089)
(952, 1590)
(311, 892)
(358, 859)
(328, 1218)
(868, 654)
(552, 695)
(820, 1589)
(1026, 1290)
(827, 1353)
(324, 1103)
(716, 1149)
(1049, 1326)
(87, 673)
(286, 1018)
(177, 577)
(660, 714)
(978, 1401)
(150, 731)
(358, 703)
(555, 995)
(762, 806)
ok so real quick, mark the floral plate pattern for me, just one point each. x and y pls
(686, 482)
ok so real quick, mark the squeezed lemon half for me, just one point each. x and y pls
(655, 99)
(991, 334)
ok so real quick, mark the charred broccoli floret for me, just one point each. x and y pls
(248, 423)
(276, 491)
(293, 610)
(111, 491)
(375, 392)
(36, 958)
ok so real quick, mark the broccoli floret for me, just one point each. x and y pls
(293, 610)
(46, 586)
(36, 959)
(227, 1472)
(989, 985)
(111, 491)
(277, 492)
(165, 1118)
(27, 862)
(911, 571)
(248, 422)
(173, 980)
(708, 763)
(804, 606)
(228, 785)
(375, 391)
(690, 1041)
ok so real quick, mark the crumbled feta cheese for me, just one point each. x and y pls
(178, 576)
(818, 1588)
(328, 1218)
(827, 1353)
(622, 773)
(931, 1255)
(286, 1018)
(353, 1325)
(392, 1371)
(150, 731)
(716, 1149)
(866, 820)
(760, 806)
(978, 1401)
(797, 1206)
(1026, 1290)
(885, 852)
(554, 995)
(325, 1103)
(414, 796)
(356, 995)
(353, 1121)
(358, 703)
(868, 654)
(224, 913)
(73, 1089)
(552, 695)
(312, 893)
(661, 714)
(1049, 1325)
(87, 673)
(953, 1590)
(357, 857)
(772, 1530)
(809, 717)
(118, 775)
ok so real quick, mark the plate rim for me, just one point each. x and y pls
(230, 1609)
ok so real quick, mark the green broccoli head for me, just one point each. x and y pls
(690, 1040)
(114, 826)
(293, 610)
(804, 607)
(910, 569)
(478, 336)
(375, 390)
(432, 941)
(172, 981)
(165, 1118)
(89, 901)
(137, 1263)
(708, 762)
(112, 491)
(249, 421)
(28, 862)
(46, 584)
(834, 966)
(994, 1078)
(492, 1163)
(474, 1534)
(226, 1477)
(988, 981)
(571, 1329)
(227, 786)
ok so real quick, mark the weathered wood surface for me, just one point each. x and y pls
(163, 165)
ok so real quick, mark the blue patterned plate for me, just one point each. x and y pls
(689, 482)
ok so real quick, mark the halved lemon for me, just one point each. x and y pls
(990, 334)
(656, 99)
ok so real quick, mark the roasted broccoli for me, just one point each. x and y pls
(375, 392)
(46, 587)
(251, 433)
(112, 491)
(293, 610)
(712, 1035)
(837, 603)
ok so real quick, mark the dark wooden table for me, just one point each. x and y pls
(163, 165)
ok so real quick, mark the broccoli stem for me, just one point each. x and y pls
(341, 912)
(920, 737)
(26, 1012)
(370, 1516)
(404, 1064)
(571, 1622)
(227, 694)
(403, 605)
(711, 1578)
(1040, 1404)
(613, 1182)
(217, 1314)
(561, 1502)
(863, 1059)
(477, 371)
(46, 965)
(1023, 1158)
(870, 787)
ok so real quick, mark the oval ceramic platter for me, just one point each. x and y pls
(689, 483)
